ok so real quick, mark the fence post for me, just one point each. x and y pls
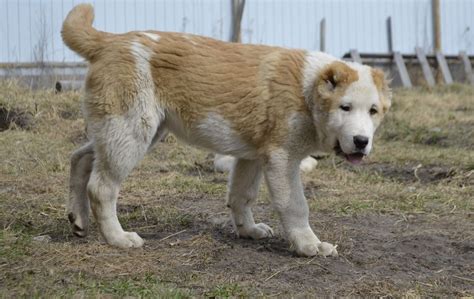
(425, 66)
(436, 20)
(322, 35)
(443, 65)
(402, 70)
(467, 67)
(355, 56)
(237, 12)
(389, 35)
(436, 25)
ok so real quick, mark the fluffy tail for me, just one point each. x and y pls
(78, 33)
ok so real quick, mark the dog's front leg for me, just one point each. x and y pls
(284, 183)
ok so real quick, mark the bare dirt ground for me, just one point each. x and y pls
(403, 222)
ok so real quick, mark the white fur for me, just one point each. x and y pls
(343, 126)
(215, 133)
(223, 163)
(152, 36)
(284, 184)
(315, 62)
(308, 164)
(361, 95)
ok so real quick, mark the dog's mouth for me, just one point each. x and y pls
(353, 158)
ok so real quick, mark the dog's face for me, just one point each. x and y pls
(351, 101)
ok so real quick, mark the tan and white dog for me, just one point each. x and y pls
(269, 107)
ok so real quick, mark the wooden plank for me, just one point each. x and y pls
(389, 35)
(355, 56)
(443, 65)
(467, 67)
(425, 66)
(402, 70)
(322, 35)
(237, 13)
(435, 5)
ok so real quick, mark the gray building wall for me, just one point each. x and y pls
(30, 29)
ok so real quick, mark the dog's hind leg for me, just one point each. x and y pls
(120, 142)
(244, 183)
(78, 205)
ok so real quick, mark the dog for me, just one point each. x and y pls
(268, 107)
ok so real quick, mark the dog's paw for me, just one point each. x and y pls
(256, 232)
(126, 240)
(327, 249)
(308, 164)
(306, 243)
(79, 224)
(223, 163)
(321, 248)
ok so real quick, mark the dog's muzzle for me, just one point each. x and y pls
(354, 157)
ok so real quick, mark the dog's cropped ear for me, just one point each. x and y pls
(335, 76)
(382, 83)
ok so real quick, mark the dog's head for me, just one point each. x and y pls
(349, 102)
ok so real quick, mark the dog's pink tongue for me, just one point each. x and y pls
(354, 158)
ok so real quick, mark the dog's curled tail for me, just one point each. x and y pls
(79, 35)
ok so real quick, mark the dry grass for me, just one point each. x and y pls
(420, 175)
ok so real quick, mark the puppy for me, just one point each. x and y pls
(268, 107)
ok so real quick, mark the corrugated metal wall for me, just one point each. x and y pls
(29, 29)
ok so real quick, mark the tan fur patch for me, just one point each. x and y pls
(332, 83)
(111, 81)
(252, 87)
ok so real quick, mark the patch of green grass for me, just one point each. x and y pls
(350, 190)
(190, 184)
(226, 291)
(162, 216)
(13, 246)
(148, 287)
(86, 285)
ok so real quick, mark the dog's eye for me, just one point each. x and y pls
(373, 111)
(345, 107)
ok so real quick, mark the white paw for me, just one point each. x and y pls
(308, 164)
(327, 249)
(126, 240)
(223, 163)
(322, 248)
(256, 232)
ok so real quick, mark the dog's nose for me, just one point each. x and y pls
(360, 141)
